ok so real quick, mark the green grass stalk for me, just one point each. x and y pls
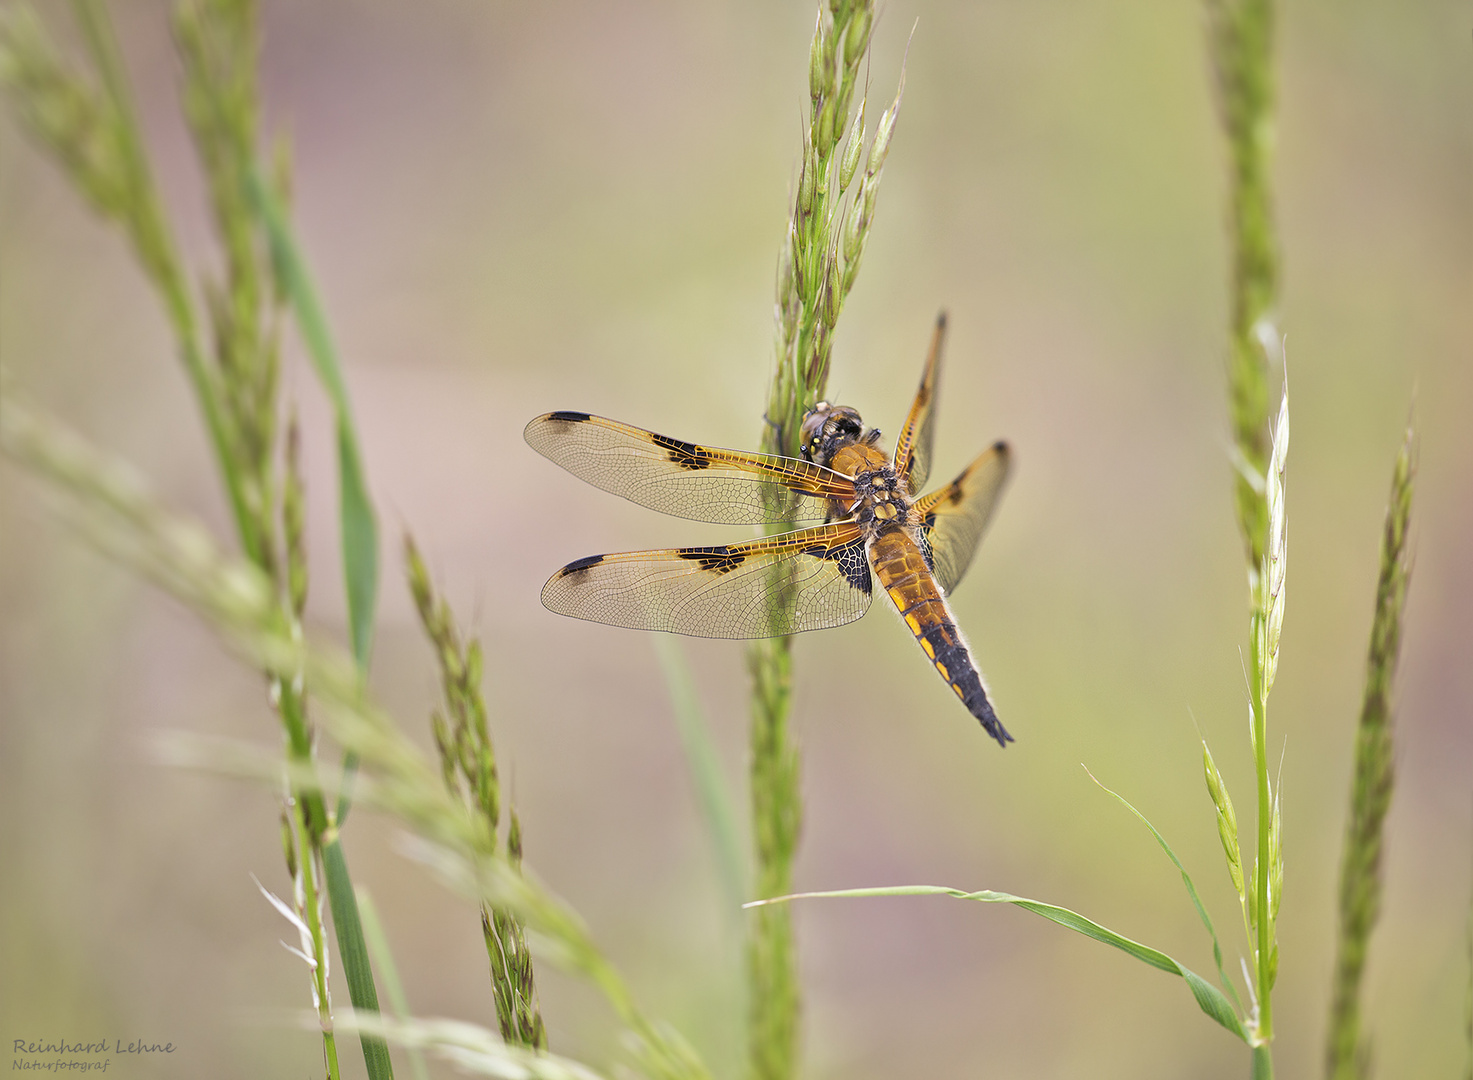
(1347, 1055)
(777, 813)
(820, 259)
(1241, 48)
(309, 906)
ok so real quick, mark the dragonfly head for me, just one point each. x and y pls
(827, 429)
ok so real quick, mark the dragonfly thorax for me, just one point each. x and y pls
(884, 499)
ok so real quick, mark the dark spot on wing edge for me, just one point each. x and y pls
(686, 455)
(562, 417)
(718, 560)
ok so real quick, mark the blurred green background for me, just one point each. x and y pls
(517, 208)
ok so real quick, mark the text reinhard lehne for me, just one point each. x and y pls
(104, 1046)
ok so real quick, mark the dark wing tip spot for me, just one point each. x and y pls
(941, 319)
(566, 417)
(1002, 448)
(580, 565)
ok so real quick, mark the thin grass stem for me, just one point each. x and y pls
(309, 903)
(383, 963)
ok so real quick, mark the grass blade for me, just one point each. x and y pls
(355, 510)
(1210, 999)
(1186, 880)
(354, 951)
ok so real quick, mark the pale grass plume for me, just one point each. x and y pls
(236, 599)
(303, 949)
(1276, 550)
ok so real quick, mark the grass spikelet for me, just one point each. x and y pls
(1346, 1054)
(1227, 822)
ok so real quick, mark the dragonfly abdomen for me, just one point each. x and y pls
(902, 572)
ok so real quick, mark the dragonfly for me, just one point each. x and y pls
(873, 528)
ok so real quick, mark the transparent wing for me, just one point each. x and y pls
(954, 518)
(804, 580)
(913, 447)
(702, 483)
